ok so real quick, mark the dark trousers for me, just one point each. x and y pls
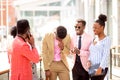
(79, 73)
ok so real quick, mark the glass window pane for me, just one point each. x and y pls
(28, 13)
(52, 13)
(40, 13)
(55, 4)
(71, 3)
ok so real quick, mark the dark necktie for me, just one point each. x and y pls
(79, 46)
(79, 43)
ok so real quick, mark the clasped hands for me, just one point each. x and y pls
(75, 50)
(61, 45)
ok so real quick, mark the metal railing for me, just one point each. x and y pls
(114, 58)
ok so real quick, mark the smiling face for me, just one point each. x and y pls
(79, 28)
(97, 28)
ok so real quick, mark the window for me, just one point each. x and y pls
(40, 13)
(52, 13)
(28, 13)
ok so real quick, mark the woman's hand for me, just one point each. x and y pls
(31, 41)
(99, 71)
(89, 64)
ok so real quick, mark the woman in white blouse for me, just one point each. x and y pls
(99, 49)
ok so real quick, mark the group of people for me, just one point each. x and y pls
(91, 55)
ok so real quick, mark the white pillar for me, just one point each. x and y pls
(103, 6)
(97, 8)
(118, 22)
(80, 8)
(86, 14)
(115, 22)
(89, 15)
(103, 10)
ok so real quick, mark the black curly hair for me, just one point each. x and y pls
(101, 19)
(13, 31)
(61, 32)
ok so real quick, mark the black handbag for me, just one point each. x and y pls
(99, 77)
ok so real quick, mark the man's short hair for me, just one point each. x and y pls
(81, 21)
(61, 32)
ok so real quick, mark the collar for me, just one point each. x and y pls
(21, 37)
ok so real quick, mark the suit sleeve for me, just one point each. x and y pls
(84, 53)
(45, 53)
(106, 53)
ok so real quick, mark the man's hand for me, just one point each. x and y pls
(61, 45)
(76, 50)
(47, 73)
